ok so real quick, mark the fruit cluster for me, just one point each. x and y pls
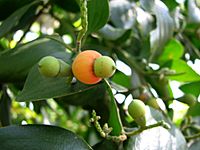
(88, 67)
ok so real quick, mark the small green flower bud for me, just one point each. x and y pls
(137, 111)
(104, 67)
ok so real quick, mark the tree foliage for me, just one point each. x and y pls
(155, 45)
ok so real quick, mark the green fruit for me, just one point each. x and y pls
(65, 69)
(104, 67)
(137, 111)
(49, 66)
(153, 103)
(188, 99)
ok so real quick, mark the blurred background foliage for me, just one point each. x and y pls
(156, 46)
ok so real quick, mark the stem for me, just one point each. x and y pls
(160, 123)
(193, 136)
(84, 20)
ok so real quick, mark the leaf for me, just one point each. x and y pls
(68, 5)
(16, 63)
(106, 145)
(165, 25)
(122, 79)
(187, 74)
(38, 87)
(14, 19)
(114, 117)
(5, 105)
(122, 14)
(173, 50)
(194, 111)
(40, 137)
(7, 7)
(171, 4)
(193, 12)
(191, 88)
(158, 138)
(110, 33)
(195, 145)
(98, 13)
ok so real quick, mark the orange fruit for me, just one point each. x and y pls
(83, 67)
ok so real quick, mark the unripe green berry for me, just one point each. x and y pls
(137, 111)
(65, 69)
(104, 67)
(49, 66)
(153, 103)
(188, 99)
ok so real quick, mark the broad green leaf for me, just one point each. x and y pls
(122, 14)
(5, 105)
(111, 33)
(122, 79)
(40, 137)
(14, 19)
(16, 63)
(106, 145)
(7, 7)
(164, 30)
(114, 118)
(191, 88)
(38, 87)
(158, 138)
(194, 111)
(68, 5)
(171, 4)
(193, 12)
(98, 13)
(187, 74)
(195, 145)
(173, 50)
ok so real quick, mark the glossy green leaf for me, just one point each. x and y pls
(194, 111)
(98, 13)
(5, 105)
(122, 79)
(164, 30)
(14, 19)
(114, 117)
(16, 63)
(193, 12)
(173, 50)
(7, 7)
(191, 88)
(40, 137)
(171, 4)
(38, 87)
(111, 33)
(158, 138)
(186, 73)
(106, 145)
(68, 5)
(122, 14)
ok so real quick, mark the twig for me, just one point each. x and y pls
(192, 136)
(160, 123)
(84, 23)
